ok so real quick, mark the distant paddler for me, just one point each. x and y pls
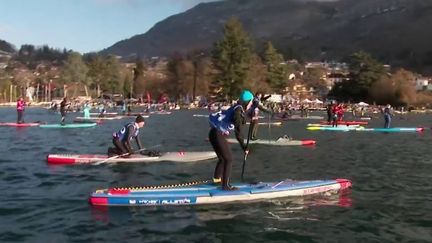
(253, 113)
(387, 112)
(86, 110)
(63, 108)
(20, 110)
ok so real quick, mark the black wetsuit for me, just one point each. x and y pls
(121, 140)
(329, 113)
(254, 116)
(221, 147)
(63, 106)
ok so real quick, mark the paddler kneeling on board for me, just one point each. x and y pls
(122, 138)
(221, 123)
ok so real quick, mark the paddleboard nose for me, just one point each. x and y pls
(344, 183)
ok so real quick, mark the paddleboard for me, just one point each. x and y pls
(67, 159)
(346, 122)
(268, 123)
(297, 117)
(363, 129)
(13, 124)
(98, 121)
(105, 114)
(196, 193)
(393, 129)
(325, 125)
(101, 118)
(277, 142)
(78, 125)
(330, 128)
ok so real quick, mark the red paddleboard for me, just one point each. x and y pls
(13, 124)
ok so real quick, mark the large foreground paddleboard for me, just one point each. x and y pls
(13, 124)
(207, 193)
(77, 125)
(67, 159)
(277, 142)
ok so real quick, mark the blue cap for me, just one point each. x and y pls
(246, 96)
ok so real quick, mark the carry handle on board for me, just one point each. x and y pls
(121, 155)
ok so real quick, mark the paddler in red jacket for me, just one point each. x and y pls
(20, 110)
(339, 112)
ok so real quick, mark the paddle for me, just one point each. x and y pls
(246, 154)
(121, 155)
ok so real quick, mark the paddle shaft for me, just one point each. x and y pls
(246, 154)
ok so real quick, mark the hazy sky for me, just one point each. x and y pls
(82, 25)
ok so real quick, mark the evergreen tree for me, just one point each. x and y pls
(75, 71)
(276, 68)
(364, 72)
(231, 58)
(138, 80)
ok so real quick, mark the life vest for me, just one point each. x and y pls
(20, 105)
(223, 120)
(121, 135)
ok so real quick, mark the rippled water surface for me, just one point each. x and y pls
(391, 198)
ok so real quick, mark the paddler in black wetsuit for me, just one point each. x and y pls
(221, 124)
(63, 107)
(253, 113)
(122, 138)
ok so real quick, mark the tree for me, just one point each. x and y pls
(75, 71)
(231, 58)
(364, 72)
(138, 80)
(313, 77)
(276, 68)
(97, 70)
(112, 75)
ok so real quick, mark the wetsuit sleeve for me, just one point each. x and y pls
(138, 142)
(264, 98)
(239, 121)
(263, 108)
(129, 133)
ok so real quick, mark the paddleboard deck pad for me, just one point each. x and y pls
(69, 159)
(277, 142)
(195, 193)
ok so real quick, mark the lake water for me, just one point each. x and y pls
(391, 198)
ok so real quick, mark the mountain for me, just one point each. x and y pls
(6, 47)
(395, 31)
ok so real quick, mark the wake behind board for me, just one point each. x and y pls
(196, 193)
(68, 159)
(77, 125)
(277, 142)
(13, 124)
